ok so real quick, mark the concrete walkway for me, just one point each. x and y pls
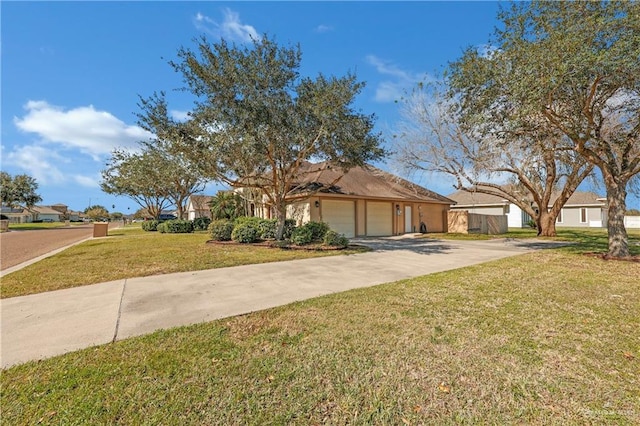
(48, 324)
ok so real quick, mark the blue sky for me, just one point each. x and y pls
(72, 71)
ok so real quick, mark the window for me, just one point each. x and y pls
(583, 215)
(559, 218)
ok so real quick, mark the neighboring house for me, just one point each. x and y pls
(46, 213)
(75, 216)
(366, 201)
(16, 214)
(582, 209)
(198, 206)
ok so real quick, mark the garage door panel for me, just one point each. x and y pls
(379, 219)
(340, 215)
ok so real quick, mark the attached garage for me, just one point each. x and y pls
(379, 219)
(340, 215)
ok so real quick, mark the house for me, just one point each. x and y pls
(366, 201)
(16, 214)
(46, 214)
(582, 209)
(198, 206)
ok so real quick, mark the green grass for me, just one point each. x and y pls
(587, 239)
(131, 252)
(544, 338)
(42, 225)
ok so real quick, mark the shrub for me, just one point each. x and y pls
(201, 223)
(268, 229)
(289, 227)
(150, 225)
(162, 228)
(318, 230)
(333, 239)
(302, 235)
(246, 232)
(176, 226)
(221, 230)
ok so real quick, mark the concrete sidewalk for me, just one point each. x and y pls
(48, 324)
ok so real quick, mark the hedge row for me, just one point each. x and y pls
(176, 226)
(252, 229)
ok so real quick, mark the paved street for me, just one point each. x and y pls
(17, 247)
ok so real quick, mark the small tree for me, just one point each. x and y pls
(227, 205)
(144, 177)
(20, 189)
(96, 212)
(257, 121)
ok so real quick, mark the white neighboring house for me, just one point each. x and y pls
(198, 206)
(583, 209)
(46, 214)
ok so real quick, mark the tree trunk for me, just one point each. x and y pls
(547, 225)
(618, 239)
(281, 217)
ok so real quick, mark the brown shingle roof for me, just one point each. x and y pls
(367, 181)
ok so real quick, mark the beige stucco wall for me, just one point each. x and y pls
(463, 222)
(300, 212)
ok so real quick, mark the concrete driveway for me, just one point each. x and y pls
(43, 325)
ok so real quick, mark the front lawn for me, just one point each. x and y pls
(549, 337)
(131, 252)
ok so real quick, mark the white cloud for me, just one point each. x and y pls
(93, 132)
(323, 29)
(39, 162)
(230, 28)
(179, 115)
(392, 89)
(86, 181)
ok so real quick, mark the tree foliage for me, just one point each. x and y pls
(143, 177)
(19, 189)
(227, 205)
(257, 120)
(573, 66)
(96, 212)
(183, 177)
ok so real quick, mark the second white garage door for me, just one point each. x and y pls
(379, 219)
(340, 215)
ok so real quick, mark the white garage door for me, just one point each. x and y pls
(379, 219)
(340, 215)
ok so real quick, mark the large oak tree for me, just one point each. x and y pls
(539, 172)
(575, 66)
(258, 120)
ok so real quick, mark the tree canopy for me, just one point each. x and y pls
(256, 120)
(573, 66)
(19, 189)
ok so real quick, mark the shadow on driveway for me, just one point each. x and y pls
(423, 245)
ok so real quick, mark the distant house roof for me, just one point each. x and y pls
(13, 210)
(200, 202)
(45, 210)
(367, 181)
(578, 198)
